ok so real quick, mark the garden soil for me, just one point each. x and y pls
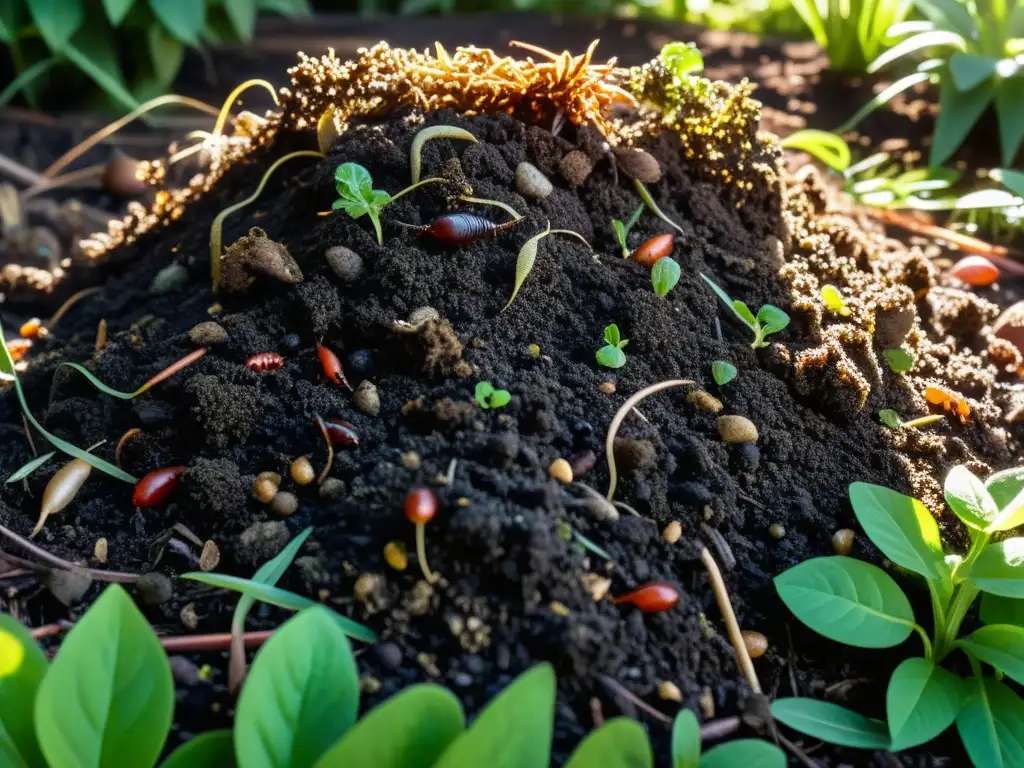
(516, 586)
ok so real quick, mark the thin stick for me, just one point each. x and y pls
(719, 729)
(121, 443)
(733, 627)
(645, 195)
(1005, 258)
(101, 335)
(19, 172)
(479, 201)
(172, 369)
(721, 546)
(613, 428)
(212, 643)
(71, 178)
(28, 435)
(330, 449)
(620, 689)
(59, 562)
(69, 303)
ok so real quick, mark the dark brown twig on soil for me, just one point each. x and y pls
(330, 449)
(69, 303)
(720, 545)
(729, 616)
(620, 690)
(792, 663)
(213, 643)
(70, 179)
(121, 443)
(172, 369)
(59, 562)
(28, 436)
(19, 172)
(101, 335)
(23, 564)
(796, 751)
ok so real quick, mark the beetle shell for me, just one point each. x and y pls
(341, 432)
(332, 366)
(262, 362)
(658, 247)
(420, 505)
(975, 270)
(652, 597)
(155, 487)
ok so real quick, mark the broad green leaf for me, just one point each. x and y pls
(900, 526)
(22, 668)
(664, 275)
(612, 334)
(722, 372)
(183, 18)
(922, 701)
(958, 112)
(969, 71)
(681, 59)
(354, 181)
(117, 9)
(772, 319)
(991, 725)
(685, 740)
(514, 730)
(410, 730)
(108, 698)
(282, 598)
(999, 568)
(243, 17)
(1001, 645)
(27, 76)
(823, 145)
(933, 39)
(28, 468)
(57, 20)
(269, 573)
(738, 307)
(285, 7)
(354, 208)
(619, 743)
(1001, 610)
(611, 357)
(967, 496)
(166, 54)
(213, 749)
(1007, 491)
(831, 722)
(848, 601)
(301, 695)
(744, 752)
(1009, 97)
(899, 360)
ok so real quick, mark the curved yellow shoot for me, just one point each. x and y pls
(496, 203)
(326, 130)
(225, 109)
(434, 132)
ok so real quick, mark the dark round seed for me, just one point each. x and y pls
(361, 364)
(290, 342)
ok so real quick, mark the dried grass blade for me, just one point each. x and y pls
(525, 261)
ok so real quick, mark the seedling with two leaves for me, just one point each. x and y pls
(622, 230)
(488, 397)
(892, 419)
(769, 319)
(859, 604)
(611, 354)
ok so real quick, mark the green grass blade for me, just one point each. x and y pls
(26, 78)
(99, 384)
(269, 573)
(27, 469)
(101, 77)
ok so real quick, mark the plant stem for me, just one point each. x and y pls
(925, 641)
(421, 553)
(962, 601)
(645, 195)
(411, 187)
(376, 225)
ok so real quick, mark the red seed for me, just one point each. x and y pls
(341, 432)
(658, 247)
(332, 366)
(30, 329)
(264, 361)
(652, 597)
(155, 487)
(975, 270)
(420, 505)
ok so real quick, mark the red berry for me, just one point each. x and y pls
(652, 597)
(420, 505)
(155, 487)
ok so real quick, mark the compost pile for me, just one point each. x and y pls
(516, 584)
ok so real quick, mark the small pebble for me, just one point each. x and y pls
(207, 334)
(390, 655)
(345, 263)
(777, 531)
(842, 541)
(737, 429)
(302, 471)
(188, 616)
(607, 387)
(673, 531)
(530, 182)
(262, 540)
(411, 460)
(183, 671)
(366, 398)
(169, 279)
(535, 350)
(210, 556)
(332, 489)
(598, 586)
(153, 588)
(561, 471)
(559, 608)
(422, 315)
(266, 486)
(290, 342)
(284, 504)
(395, 556)
(747, 457)
(704, 401)
(69, 587)
(99, 551)
(669, 691)
(369, 685)
(575, 167)
(757, 644)
(366, 586)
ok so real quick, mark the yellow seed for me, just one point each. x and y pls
(842, 541)
(266, 486)
(777, 531)
(672, 532)
(99, 551)
(302, 471)
(561, 471)
(462, 501)
(61, 490)
(394, 555)
(737, 429)
(534, 350)
(757, 644)
(210, 556)
(669, 691)
(559, 608)
(411, 460)
(701, 399)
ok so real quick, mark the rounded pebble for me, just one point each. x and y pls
(777, 531)
(757, 644)
(737, 429)
(747, 457)
(395, 556)
(207, 334)
(69, 587)
(153, 588)
(266, 486)
(422, 315)
(842, 541)
(607, 387)
(561, 471)
(284, 504)
(345, 263)
(575, 167)
(530, 182)
(390, 655)
(673, 531)
(669, 691)
(332, 489)
(704, 401)
(290, 342)
(210, 556)
(361, 364)
(188, 616)
(99, 551)
(366, 398)
(169, 279)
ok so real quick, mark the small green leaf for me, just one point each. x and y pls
(619, 743)
(412, 729)
(900, 526)
(890, 418)
(967, 496)
(1001, 610)
(525, 261)
(999, 568)
(500, 398)
(738, 307)
(899, 360)
(1011, 512)
(685, 740)
(282, 598)
(1001, 645)
(183, 18)
(1009, 96)
(772, 319)
(930, 39)
(827, 147)
(1005, 486)
(482, 394)
(969, 71)
(681, 59)
(722, 372)
(108, 698)
(591, 546)
(848, 601)
(958, 112)
(22, 668)
(213, 749)
(922, 701)
(834, 300)
(831, 722)
(514, 730)
(117, 9)
(612, 335)
(664, 275)
(94, 380)
(991, 725)
(634, 218)
(57, 20)
(744, 752)
(27, 469)
(354, 182)
(166, 53)
(611, 357)
(269, 573)
(620, 235)
(301, 695)
(242, 14)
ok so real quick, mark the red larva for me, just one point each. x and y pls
(341, 432)
(155, 487)
(332, 366)
(262, 362)
(658, 247)
(463, 228)
(420, 505)
(653, 597)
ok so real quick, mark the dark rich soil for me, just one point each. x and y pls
(513, 589)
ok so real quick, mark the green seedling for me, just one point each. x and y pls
(892, 420)
(722, 372)
(29, 467)
(827, 147)
(686, 749)
(358, 197)
(611, 355)
(834, 300)
(645, 195)
(664, 275)
(488, 397)
(899, 360)
(769, 319)
(622, 230)
(165, 374)
(854, 32)
(859, 604)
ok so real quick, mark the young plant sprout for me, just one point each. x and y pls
(622, 230)
(769, 319)
(645, 195)
(358, 197)
(29, 467)
(528, 257)
(488, 397)
(899, 360)
(420, 508)
(611, 354)
(332, 366)
(892, 419)
(653, 597)
(834, 300)
(722, 372)
(433, 132)
(664, 275)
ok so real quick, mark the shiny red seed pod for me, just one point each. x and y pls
(652, 597)
(420, 505)
(658, 247)
(155, 487)
(341, 432)
(332, 366)
(262, 362)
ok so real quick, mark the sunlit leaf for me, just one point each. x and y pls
(969, 71)
(933, 39)
(831, 722)
(991, 725)
(999, 568)
(620, 743)
(900, 526)
(22, 668)
(970, 501)
(958, 112)
(826, 147)
(1001, 645)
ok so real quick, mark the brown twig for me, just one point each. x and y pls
(72, 178)
(721, 546)
(101, 335)
(330, 449)
(121, 443)
(719, 729)
(19, 172)
(729, 616)
(621, 690)
(212, 643)
(69, 303)
(172, 369)
(59, 562)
